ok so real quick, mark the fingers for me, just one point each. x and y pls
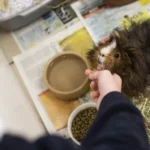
(118, 80)
(102, 83)
(94, 95)
(104, 76)
(88, 72)
(93, 85)
(100, 68)
(104, 40)
(94, 75)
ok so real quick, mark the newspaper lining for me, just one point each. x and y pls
(100, 22)
(31, 63)
(31, 71)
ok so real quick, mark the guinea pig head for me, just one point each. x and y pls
(112, 58)
(124, 56)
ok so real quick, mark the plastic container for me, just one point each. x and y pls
(25, 17)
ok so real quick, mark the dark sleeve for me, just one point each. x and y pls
(9, 142)
(119, 126)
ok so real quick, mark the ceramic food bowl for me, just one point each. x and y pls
(73, 116)
(64, 76)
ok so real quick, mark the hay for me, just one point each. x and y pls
(143, 104)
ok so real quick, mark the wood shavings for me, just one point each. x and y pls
(3, 5)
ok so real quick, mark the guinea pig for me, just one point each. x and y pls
(127, 53)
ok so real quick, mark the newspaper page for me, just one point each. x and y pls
(47, 26)
(101, 20)
(28, 36)
(30, 64)
(75, 38)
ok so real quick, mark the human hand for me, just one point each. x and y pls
(106, 39)
(102, 83)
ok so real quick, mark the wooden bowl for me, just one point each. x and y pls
(64, 75)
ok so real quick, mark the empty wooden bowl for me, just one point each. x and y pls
(64, 75)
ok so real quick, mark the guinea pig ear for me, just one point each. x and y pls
(127, 58)
(115, 34)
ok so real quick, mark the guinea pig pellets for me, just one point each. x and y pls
(82, 123)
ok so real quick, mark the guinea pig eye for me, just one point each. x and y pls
(116, 55)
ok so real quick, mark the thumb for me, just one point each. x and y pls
(118, 81)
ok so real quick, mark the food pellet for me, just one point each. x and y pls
(82, 123)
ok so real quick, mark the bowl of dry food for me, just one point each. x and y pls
(81, 120)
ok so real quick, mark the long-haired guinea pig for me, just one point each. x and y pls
(127, 53)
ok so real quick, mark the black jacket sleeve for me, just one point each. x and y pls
(118, 126)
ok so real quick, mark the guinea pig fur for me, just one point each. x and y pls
(126, 53)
